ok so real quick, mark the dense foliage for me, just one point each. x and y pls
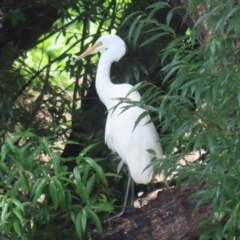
(200, 110)
(187, 75)
(47, 193)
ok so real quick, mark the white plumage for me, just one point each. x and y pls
(120, 136)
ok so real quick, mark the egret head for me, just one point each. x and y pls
(112, 43)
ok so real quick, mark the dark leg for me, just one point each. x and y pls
(132, 192)
(126, 197)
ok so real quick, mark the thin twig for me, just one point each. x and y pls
(42, 69)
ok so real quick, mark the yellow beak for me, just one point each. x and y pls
(88, 51)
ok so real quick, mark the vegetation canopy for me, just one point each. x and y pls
(58, 180)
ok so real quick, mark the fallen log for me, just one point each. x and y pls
(168, 215)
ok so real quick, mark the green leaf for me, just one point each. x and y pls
(153, 38)
(71, 142)
(93, 216)
(136, 88)
(18, 214)
(138, 32)
(60, 192)
(178, 65)
(167, 29)
(17, 227)
(238, 97)
(77, 174)
(5, 168)
(78, 224)
(38, 189)
(73, 217)
(26, 134)
(4, 149)
(132, 28)
(4, 210)
(98, 170)
(171, 12)
(90, 183)
(25, 181)
(158, 5)
(56, 163)
(211, 144)
(86, 169)
(84, 219)
(17, 203)
(46, 146)
(53, 193)
(192, 82)
(87, 149)
(10, 144)
(151, 151)
(82, 191)
(106, 207)
(140, 117)
(129, 17)
(206, 15)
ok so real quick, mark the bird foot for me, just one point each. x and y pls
(117, 215)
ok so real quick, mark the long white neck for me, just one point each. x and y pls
(103, 81)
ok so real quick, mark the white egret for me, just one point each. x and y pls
(120, 136)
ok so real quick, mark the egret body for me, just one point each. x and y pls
(120, 136)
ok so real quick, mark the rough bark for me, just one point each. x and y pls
(168, 216)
